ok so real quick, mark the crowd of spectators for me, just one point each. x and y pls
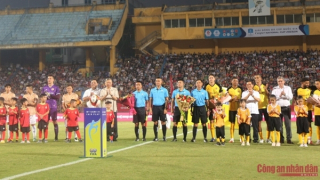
(291, 64)
(143, 68)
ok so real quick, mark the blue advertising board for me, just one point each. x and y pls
(264, 31)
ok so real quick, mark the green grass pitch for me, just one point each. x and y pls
(165, 160)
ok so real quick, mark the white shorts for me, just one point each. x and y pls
(33, 119)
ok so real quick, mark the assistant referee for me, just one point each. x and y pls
(199, 110)
(158, 100)
(141, 99)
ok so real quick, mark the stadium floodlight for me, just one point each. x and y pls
(259, 4)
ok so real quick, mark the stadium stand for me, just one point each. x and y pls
(55, 27)
(244, 65)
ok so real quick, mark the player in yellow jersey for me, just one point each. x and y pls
(235, 92)
(214, 92)
(317, 110)
(305, 92)
(264, 93)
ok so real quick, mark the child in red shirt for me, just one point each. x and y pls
(13, 120)
(42, 112)
(24, 120)
(110, 121)
(72, 115)
(3, 119)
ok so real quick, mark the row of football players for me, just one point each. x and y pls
(256, 94)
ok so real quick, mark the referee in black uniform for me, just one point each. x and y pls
(158, 100)
(199, 110)
(141, 99)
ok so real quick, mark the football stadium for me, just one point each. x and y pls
(143, 89)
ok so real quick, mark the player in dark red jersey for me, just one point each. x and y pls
(110, 121)
(72, 115)
(13, 119)
(42, 112)
(3, 119)
(24, 117)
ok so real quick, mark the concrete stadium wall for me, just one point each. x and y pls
(71, 2)
(239, 44)
(313, 42)
(197, 46)
(265, 43)
(191, 39)
(143, 30)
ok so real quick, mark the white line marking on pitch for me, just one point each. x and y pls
(78, 161)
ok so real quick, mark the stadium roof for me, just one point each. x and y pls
(31, 30)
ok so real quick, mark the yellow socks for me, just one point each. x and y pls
(272, 136)
(278, 136)
(241, 137)
(300, 138)
(232, 130)
(218, 139)
(212, 130)
(260, 134)
(222, 139)
(248, 138)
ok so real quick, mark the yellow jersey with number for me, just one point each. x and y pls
(305, 93)
(263, 103)
(234, 92)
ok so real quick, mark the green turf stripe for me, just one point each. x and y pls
(79, 161)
